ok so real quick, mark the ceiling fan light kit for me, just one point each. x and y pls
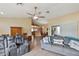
(35, 18)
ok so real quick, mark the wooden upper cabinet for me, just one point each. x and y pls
(15, 30)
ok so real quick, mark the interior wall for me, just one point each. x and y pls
(6, 23)
(69, 29)
(66, 19)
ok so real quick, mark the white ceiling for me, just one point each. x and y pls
(56, 9)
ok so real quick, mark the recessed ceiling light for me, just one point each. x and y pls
(1, 12)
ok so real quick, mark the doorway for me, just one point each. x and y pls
(15, 30)
(36, 34)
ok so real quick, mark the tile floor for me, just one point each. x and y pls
(37, 51)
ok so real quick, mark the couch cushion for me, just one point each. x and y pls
(58, 41)
(46, 40)
(68, 39)
(74, 44)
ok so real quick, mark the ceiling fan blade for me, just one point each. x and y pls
(30, 14)
(41, 16)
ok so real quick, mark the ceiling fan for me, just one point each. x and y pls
(36, 14)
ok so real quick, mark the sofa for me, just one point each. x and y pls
(65, 46)
(8, 46)
(2, 47)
